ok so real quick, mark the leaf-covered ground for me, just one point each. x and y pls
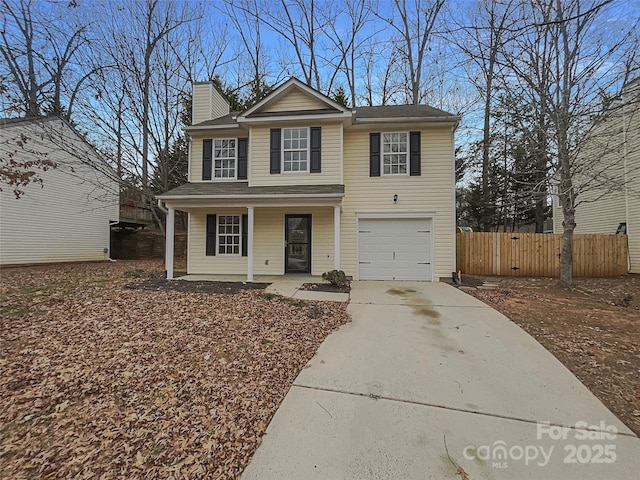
(101, 381)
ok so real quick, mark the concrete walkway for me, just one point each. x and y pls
(427, 382)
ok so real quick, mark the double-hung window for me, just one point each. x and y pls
(224, 154)
(395, 153)
(295, 150)
(229, 234)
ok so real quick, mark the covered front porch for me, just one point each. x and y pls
(257, 231)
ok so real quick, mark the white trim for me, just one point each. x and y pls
(210, 101)
(341, 153)
(239, 254)
(213, 160)
(186, 205)
(392, 215)
(188, 241)
(210, 127)
(169, 242)
(190, 140)
(249, 163)
(406, 154)
(291, 83)
(336, 237)
(452, 119)
(294, 117)
(250, 220)
(282, 150)
(250, 197)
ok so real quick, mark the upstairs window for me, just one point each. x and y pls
(295, 150)
(395, 153)
(224, 154)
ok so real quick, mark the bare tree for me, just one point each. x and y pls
(481, 42)
(39, 45)
(414, 26)
(570, 59)
(300, 25)
(346, 44)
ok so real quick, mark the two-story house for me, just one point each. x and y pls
(301, 184)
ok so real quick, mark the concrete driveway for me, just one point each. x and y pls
(428, 382)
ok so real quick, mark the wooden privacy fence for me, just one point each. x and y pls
(538, 254)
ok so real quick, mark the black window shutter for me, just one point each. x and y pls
(211, 234)
(275, 151)
(414, 153)
(316, 140)
(374, 154)
(245, 234)
(207, 154)
(242, 159)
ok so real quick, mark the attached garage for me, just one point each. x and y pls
(395, 248)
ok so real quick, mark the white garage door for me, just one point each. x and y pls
(395, 249)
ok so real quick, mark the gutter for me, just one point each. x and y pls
(451, 119)
(246, 197)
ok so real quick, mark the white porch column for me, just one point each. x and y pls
(168, 246)
(250, 244)
(336, 237)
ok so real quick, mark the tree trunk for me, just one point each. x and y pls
(566, 257)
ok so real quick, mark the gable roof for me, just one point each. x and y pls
(294, 83)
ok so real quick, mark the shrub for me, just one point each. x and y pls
(336, 278)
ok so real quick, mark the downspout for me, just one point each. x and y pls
(161, 207)
(626, 179)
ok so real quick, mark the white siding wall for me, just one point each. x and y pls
(67, 219)
(330, 158)
(268, 242)
(432, 192)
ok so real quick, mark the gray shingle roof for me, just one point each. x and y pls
(224, 189)
(226, 120)
(400, 111)
(390, 112)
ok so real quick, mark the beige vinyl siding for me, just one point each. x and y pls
(199, 261)
(268, 242)
(68, 218)
(292, 101)
(201, 109)
(195, 161)
(219, 105)
(208, 103)
(600, 213)
(432, 192)
(330, 158)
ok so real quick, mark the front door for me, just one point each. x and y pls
(297, 236)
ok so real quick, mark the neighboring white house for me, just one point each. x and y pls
(610, 160)
(67, 217)
(300, 184)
